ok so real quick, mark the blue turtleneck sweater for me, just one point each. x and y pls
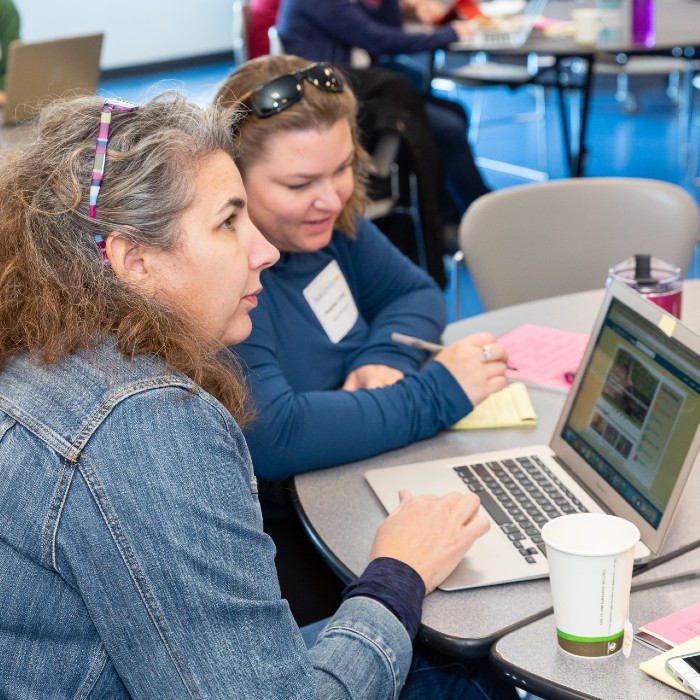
(304, 421)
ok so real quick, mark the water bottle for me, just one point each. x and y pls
(655, 279)
(643, 22)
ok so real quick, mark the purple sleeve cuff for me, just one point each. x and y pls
(394, 584)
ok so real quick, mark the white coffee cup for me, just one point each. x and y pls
(586, 25)
(590, 558)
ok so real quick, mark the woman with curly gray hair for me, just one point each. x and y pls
(132, 558)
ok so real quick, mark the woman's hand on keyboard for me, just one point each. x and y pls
(431, 533)
(478, 363)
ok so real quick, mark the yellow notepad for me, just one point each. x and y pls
(656, 666)
(509, 408)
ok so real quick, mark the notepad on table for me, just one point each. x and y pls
(509, 408)
(656, 666)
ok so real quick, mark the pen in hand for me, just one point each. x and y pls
(412, 342)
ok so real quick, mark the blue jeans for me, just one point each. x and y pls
(439, 677)
(463, 180)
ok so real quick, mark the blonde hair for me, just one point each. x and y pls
(56, 295)
(317, 109)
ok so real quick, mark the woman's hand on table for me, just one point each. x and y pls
(425, 11)
(464, 28)
(371, 377)
(429, 11)
(478, 363)
(431, 533)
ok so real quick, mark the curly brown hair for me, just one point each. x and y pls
(317, 109)
(56, 295)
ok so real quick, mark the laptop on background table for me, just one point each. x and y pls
(625, 443)
(498, 24)
(42, 70)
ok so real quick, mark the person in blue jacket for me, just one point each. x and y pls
(329, 31)
(133, 563)
(328, 383)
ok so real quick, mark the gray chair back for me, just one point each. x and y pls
(545, 239)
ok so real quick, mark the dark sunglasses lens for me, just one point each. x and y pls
(325, 78)
(275, 96)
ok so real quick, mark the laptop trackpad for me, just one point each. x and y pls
(488, 562)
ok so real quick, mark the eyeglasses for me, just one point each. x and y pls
(98, 169)
(282, 92)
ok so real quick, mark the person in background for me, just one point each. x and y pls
(329, 31)
(376, 26)
(328, 384)
(132, 559)
(263, 15)
(9, 32)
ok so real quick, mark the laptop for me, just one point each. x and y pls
(42, 70)
(625, 443)
(500, 23)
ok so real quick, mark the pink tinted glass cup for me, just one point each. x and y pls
(655, 279)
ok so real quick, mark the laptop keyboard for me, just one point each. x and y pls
(521, 495)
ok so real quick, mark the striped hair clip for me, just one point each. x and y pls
(98, 169)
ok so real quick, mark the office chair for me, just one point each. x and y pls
(693, 127)
(392, 191)
(239, 30)
(276, 45)
(623, 67)
(544, 239)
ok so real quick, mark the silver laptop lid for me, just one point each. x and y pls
(629, 430)
(39, 71)
(507, 24)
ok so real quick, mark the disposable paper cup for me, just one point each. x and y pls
(590, 560)
(586, 25)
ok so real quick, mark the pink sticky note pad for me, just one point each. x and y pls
(678, 627)
(543, 355)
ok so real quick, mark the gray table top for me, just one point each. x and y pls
(342, 513)
(677, 24)
(532, 659)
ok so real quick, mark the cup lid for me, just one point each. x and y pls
(647, 274)
(590, 534)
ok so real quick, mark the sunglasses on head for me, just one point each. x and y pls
(282, 92)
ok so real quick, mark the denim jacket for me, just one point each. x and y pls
(132, 558)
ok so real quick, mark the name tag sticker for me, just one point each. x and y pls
(330, 299)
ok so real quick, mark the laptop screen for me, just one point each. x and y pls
(637, 409)
(42, 70)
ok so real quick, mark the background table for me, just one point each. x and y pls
(342, 513)
(677, 23)
(676, 31)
